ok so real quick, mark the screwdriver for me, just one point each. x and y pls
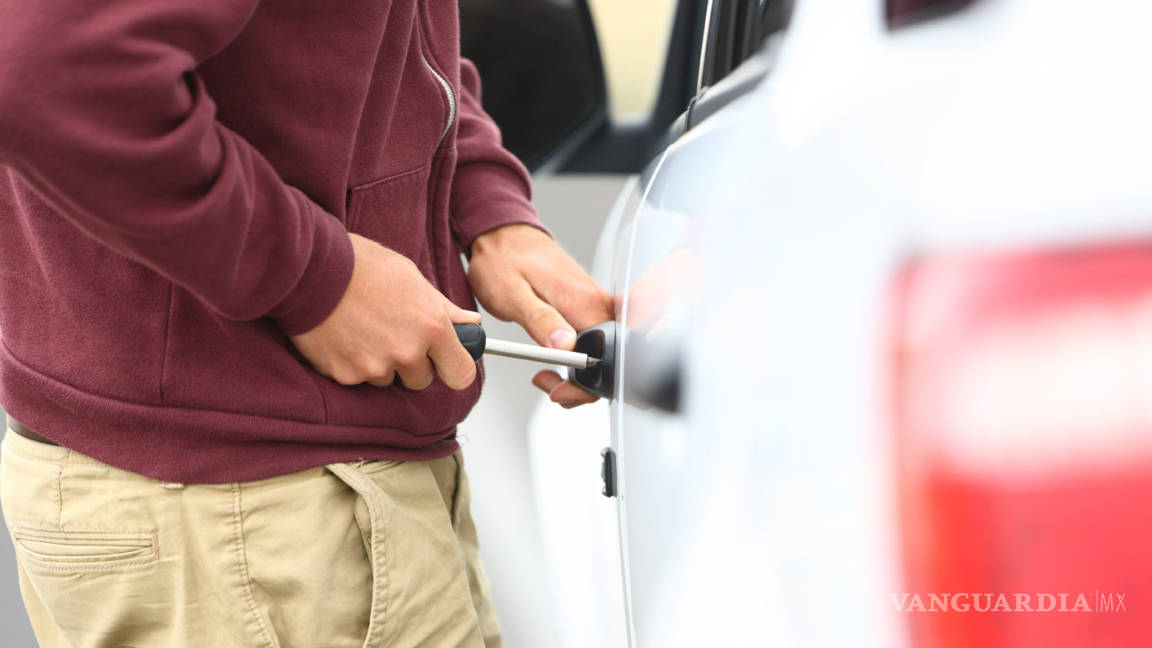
(474, 339)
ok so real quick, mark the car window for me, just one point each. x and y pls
(734, 31)
(539, 69)
(633, 37)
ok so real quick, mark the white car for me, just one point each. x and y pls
(884, 345)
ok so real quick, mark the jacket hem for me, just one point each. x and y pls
(195, 445)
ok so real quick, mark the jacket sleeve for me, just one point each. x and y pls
(491, 187)
(103, 114)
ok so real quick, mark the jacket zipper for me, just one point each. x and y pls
(448, 92)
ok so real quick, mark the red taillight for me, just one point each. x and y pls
(903, 12)
(1023, 402)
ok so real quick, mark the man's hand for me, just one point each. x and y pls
(520, 274)
(390, 323)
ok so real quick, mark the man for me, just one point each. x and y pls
(230, 244)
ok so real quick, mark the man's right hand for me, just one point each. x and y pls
(390, 323)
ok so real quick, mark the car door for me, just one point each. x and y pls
(697, 560)
(901, 284)
(734, 529)
(906, 295)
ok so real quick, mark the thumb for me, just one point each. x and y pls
(544, 323)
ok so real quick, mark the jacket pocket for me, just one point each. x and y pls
(222, 365)
(393, 211)
(57, 550)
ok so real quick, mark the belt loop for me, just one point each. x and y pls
(373, 498)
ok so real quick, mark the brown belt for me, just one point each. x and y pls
(22, 430)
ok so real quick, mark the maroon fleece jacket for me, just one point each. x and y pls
(177, 183)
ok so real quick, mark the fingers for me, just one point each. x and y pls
(519, 273)
(546, 381)
(446, 358)
(351, 372)
(416, 373)
(418, 366)
(543, 322)
(383, 381)
(569, 395)
(578, 298)
(452, 362)
(561, 391)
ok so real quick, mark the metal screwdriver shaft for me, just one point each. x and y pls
(539, 354)
(474, 339)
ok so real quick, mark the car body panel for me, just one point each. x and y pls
(763, 513)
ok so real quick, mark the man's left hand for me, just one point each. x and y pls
(518, 273)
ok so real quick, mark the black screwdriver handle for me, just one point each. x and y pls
(472, 337)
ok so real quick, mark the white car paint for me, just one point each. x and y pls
(763, 513)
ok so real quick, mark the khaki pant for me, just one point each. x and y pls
(374, 553)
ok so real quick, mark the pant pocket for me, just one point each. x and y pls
(73, 551)
(29, 489)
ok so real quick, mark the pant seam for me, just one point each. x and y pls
(59, 496)
(454, 512)
(241, 562)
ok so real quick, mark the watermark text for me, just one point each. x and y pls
(1094, 601)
